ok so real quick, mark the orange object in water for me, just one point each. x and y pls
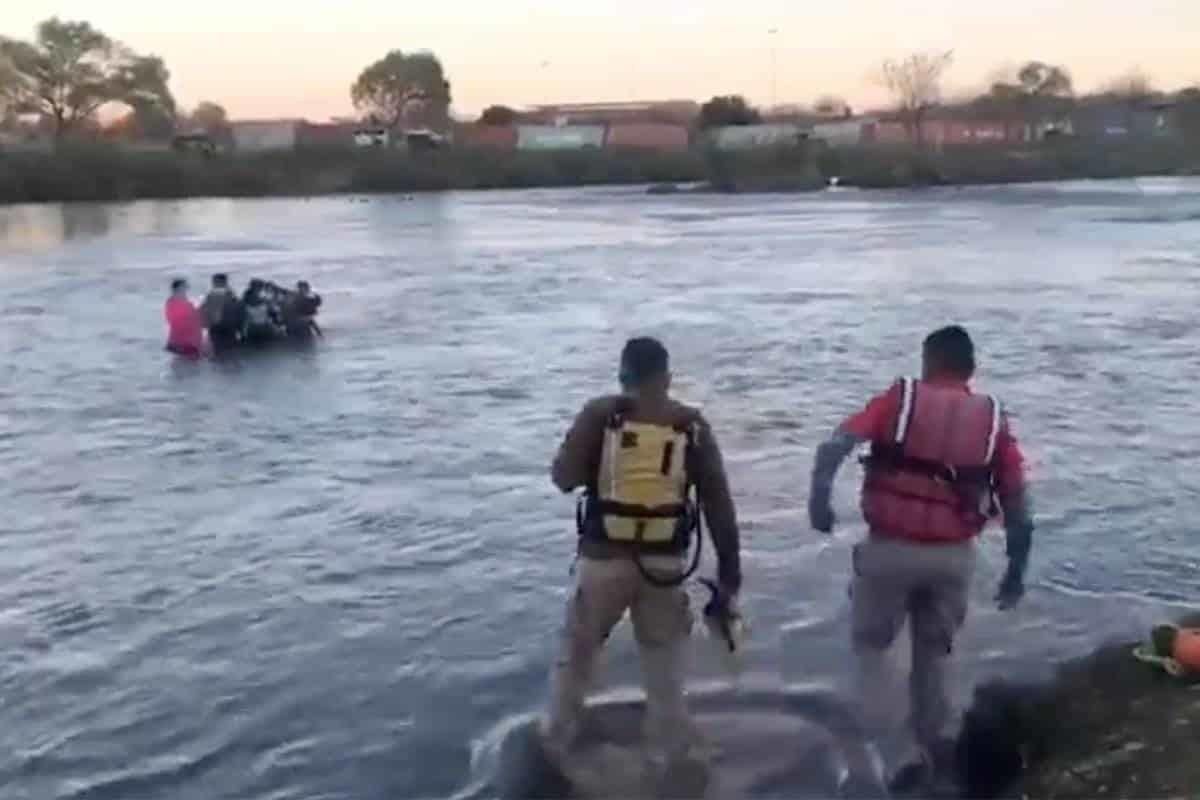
(1187, 648)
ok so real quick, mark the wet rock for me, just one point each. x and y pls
(1107, 726)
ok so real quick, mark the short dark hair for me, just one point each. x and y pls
(302, 285)
(178, 284)
(642, 359)
(951, 349)
(220, 279)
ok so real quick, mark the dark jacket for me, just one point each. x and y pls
(578, 461)
(222, 311)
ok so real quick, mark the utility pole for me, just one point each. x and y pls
(774, 94)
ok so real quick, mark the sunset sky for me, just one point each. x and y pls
(274, 58)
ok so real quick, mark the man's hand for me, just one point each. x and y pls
(820, 515)
(1012, 588)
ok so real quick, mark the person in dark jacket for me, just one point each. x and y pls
(300, 311)
(259, 324)
(223, 314)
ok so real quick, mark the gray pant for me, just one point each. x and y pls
(605, 589)
(927, 584)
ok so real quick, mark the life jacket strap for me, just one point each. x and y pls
(610, 507)
(891, 457)
(969, 484)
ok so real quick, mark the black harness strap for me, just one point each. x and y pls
(647, 512)
(591, 510)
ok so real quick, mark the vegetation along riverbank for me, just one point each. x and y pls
(107, 173)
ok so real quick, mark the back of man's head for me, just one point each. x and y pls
(949, 351)
(644, 361)
(220, 280)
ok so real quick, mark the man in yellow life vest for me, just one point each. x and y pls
(638, 454)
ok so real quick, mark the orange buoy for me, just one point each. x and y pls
(1187, 648)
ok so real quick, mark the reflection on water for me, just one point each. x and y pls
(331, 574)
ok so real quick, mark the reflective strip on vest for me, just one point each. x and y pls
(994, 433)
(942, 426)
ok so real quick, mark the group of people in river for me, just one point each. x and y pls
(264, 313)
(943, 462)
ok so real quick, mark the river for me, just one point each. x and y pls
(337, 574)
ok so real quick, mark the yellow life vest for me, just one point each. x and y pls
(641, 493)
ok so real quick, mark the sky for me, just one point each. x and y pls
(271, 58)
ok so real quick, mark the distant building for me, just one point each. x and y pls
(326, 135)
(750, 137)
(194, 142)
(265, 135)
(845, 132)
(680, 112)
(560, 137)
(490, 137)
(371, 136)
(1117, 120)
(656, 136)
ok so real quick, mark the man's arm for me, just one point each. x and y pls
(830, 455)
(1017, 507)
(716, 500)
(575, 463)
(867, 425)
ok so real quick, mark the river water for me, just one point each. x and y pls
(339, 573)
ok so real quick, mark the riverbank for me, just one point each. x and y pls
(1109, 725)
(97, 174)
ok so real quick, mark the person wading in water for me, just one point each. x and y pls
(185, 328)
(638, 454)
(940, 457)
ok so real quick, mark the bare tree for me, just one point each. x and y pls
(916, 84)
(1132, 87)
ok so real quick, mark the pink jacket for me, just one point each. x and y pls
(184, 329)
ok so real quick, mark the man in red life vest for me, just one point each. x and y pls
(940, 456)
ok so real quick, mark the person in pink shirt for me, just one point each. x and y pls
(185, 332)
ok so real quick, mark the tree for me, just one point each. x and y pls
(398, 87)
(209, 117)
(1037, 79)
(72, 69)
(141, 83)
(915, 83)
(1036, 90)
(8, 81)
(498, 115)
(728, 110)
(1133, 87)
(831, 106)
(1188, 114)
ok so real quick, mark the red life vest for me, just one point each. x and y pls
(933, 481)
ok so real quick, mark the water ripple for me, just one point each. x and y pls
(323, 575)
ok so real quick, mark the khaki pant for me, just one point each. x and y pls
(927, 584)
(662, 621)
